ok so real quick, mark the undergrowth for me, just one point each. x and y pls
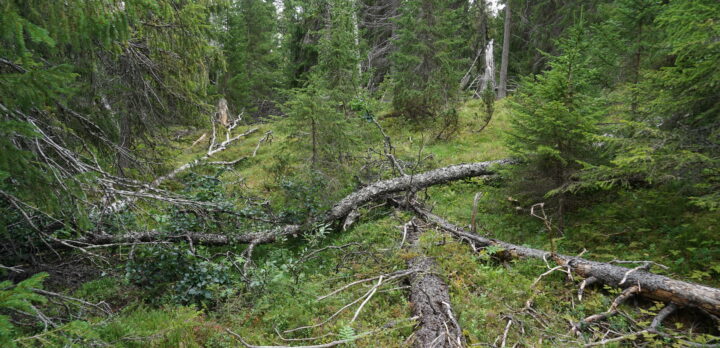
(167, 296)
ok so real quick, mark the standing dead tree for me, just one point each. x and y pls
(502, 89)
(488, 78)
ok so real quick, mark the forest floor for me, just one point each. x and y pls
(486, 294)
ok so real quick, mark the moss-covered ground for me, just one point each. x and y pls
(486, 293)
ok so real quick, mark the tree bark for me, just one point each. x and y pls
(430, 300)
(418, 181)
(337, 213)
(488, 79)
(502, 89)
(212, 239)
(653, 286)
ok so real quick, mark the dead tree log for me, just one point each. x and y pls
(214, 148)
(407, 182)
(430, 299)
(650, 285)
(338, 212)
(210, 239)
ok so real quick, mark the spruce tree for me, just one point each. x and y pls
(338, 68)
(34, 78)
(427, 67)
(669, 119)
(553, 119)
(84, 79)
(302, 21)
(377, 27)
(252, 51)
(320, 112)
(535, 27)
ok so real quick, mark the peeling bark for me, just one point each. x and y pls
(212, 239)
(653, 286)
(488, 78)
(502, 89)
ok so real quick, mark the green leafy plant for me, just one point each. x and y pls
(346, 332)
(176, 274)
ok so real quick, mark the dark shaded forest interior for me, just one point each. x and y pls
(359, 173)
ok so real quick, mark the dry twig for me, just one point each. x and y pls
(326, 345)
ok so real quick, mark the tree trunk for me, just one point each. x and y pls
(502, 90)
(430, 300)
(488, 79)
(313, 160)
(338, 212)
(653, 286)
(123, 203)
(212, 239)
(418, 181)
(356, 37)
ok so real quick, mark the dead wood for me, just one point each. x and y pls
(653, 329)
(215, 147)
(262, 237)
(338, 212)
(430, 299)
(407, 182)
(613, 310)
(387, 326)
(222, 112)
(650, 285)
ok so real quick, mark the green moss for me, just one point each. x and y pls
(649, 224)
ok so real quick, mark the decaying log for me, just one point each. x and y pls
(650, 285)
(430, 300)
(337, 213)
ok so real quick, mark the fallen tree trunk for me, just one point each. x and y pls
(122, 204)
(338, 212)
(653, 286)
(407, 182)
(211, 239)
(430, 299)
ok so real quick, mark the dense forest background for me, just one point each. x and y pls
(191, 172)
